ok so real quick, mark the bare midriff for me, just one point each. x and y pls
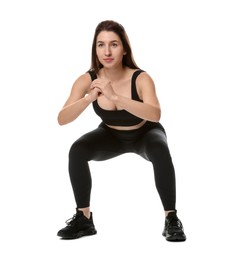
(133, 127)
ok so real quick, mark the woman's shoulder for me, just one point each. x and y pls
(142, 74)
(83, 80)
(144, 80)
(130, 72)
(139, 71)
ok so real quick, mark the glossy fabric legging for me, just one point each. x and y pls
(149, 141)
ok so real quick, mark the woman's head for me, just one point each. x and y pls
(112, 26)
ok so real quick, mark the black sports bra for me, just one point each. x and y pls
(119, 117)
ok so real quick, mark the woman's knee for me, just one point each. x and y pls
(159, 146)
(78, 149)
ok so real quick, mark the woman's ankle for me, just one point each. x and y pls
(86, 211)
(168, 211)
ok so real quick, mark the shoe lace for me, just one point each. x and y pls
(175, 222)
(71, 221)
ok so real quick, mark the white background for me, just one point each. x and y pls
(190, 48)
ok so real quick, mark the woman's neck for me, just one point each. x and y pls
(114, 75)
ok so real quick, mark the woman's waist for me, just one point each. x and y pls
(127, 128)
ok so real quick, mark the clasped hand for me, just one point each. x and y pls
(102, 87)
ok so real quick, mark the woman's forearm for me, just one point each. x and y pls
(70, 112)
(139, 109)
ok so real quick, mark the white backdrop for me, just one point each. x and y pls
(190, 48)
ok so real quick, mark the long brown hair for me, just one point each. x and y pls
(112, 26)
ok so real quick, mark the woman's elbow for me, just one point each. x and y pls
(157, 115)
(61, 120)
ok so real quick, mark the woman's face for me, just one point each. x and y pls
(109, 49)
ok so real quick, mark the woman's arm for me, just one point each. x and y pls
(78, 100)
(149, 109)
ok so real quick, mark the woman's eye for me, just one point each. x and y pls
(100, 45)
(114, 45)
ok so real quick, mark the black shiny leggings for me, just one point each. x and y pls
(104, 143)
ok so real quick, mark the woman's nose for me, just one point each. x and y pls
(107, 51)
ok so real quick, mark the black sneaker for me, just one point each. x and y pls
(173, 229)
(78, 226)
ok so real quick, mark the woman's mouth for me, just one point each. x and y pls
(108, 59)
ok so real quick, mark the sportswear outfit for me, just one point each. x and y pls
(103, 143)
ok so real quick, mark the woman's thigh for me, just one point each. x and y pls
(97, 145)
(152, 144)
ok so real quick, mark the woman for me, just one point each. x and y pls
(124, 97)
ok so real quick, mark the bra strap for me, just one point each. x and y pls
(135, 95)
